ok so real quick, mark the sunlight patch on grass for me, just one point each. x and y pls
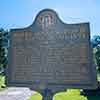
(35, 96)
(71, 94)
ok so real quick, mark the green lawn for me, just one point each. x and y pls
(35, 96)
(71, 94)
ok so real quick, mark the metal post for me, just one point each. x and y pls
(47, 94)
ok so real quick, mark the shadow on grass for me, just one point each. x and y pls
(95, 97)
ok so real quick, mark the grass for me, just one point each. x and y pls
(71, 94)
(35, 96)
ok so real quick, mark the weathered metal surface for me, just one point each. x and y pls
(51, 54)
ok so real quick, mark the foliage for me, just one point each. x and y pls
(95, 40)
(3, 48)
(96, 50)
(2, 82)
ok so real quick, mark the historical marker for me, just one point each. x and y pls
(51, 54)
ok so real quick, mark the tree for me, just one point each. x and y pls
(98, 57)
(96, 41)
(96, 46)
(3, 48)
